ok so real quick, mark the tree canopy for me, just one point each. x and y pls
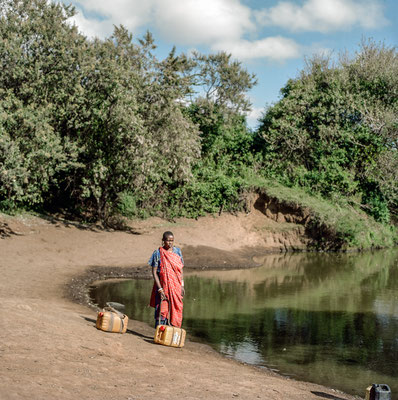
(98, 127)
(334, 131)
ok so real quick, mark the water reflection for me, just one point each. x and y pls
(326, 318)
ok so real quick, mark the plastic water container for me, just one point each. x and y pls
(170, 336)
(378, 392)
(112, 320)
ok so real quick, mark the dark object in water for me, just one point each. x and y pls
(117, 306)
(378, 392)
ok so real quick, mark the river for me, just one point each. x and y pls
(327, 318)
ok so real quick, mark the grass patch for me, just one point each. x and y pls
(345, 225)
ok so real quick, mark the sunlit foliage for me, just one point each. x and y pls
(335, 129)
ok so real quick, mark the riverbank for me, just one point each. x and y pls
(49, 346)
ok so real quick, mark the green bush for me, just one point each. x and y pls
(334, 130)
(126, 205)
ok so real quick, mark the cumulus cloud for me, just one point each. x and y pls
(92, 27)
(104, 14)
(226, 24)
(274, 48)
(182, 21)
(202, 22)
(323, 15)
(218, 24)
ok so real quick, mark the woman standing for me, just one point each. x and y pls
(167, 264)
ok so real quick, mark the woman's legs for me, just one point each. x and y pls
(163, 321)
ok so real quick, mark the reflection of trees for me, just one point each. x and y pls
(346, 282)
(312, 281)
(134, 294)
(357, 339)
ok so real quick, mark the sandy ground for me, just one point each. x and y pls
(50, 348)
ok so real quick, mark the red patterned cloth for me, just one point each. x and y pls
(170, 278)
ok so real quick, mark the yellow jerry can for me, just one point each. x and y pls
(170, 336)
(111, 320)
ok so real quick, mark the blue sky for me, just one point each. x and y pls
(270, 38)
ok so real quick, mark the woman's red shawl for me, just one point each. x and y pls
(170, 279)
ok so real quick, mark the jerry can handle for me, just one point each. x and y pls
(118, 313)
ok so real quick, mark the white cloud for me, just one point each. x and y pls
(274, 48)
(98, 17)
(204, 21)
(254, 115)
(130, 13)
(218, 24)
(183, 21)
(324, 15)
(92, 27)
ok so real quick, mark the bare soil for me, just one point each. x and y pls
(50, 348)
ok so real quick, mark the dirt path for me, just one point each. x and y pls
(50, 348)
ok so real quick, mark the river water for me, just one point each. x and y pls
(331, 319)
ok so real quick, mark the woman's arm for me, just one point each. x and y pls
(182, 285)
(182, 274)
(158, 284)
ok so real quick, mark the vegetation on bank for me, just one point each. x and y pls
(333, 225)
(103, 127)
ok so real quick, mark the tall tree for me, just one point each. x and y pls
(335, 128)
(41, 57)
(223, 81)
(172, 136)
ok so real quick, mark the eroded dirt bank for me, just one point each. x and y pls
(49, 347)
